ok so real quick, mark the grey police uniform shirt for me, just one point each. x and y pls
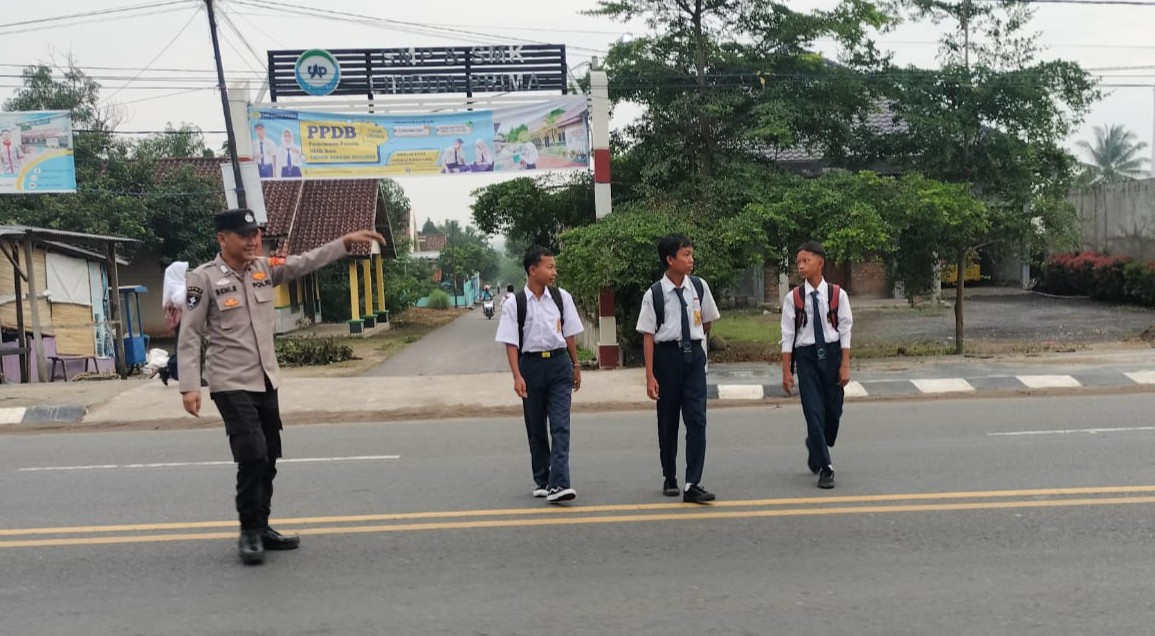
(235, 310)
(699, 310)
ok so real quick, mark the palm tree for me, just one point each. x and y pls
(1113, 155)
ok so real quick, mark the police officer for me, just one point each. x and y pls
(230, 301)
(675, 354)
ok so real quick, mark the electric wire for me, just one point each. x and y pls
(156, 57)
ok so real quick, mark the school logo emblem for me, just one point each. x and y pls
(317, 72)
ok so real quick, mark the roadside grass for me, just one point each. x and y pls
(750, 335)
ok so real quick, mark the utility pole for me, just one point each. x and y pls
(229, 133)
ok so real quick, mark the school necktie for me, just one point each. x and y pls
(262, 144)
(687, 344)
(819, 336)
(289, 159)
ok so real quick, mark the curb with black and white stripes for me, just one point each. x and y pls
(944, 386)
(62, 414)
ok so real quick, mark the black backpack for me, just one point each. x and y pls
(657, 294)
(520, 298)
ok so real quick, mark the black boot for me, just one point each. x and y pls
(251, 548)
(274, 540)
(164, 376)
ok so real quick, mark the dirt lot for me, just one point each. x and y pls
(997, 321)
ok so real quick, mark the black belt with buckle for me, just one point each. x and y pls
(544, 354)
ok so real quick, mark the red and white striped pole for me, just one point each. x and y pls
(609, 352)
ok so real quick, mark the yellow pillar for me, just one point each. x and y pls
(354, 310)
(368, 288)
(380, 260)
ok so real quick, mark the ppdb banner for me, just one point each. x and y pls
(292, 144)
(36, 152)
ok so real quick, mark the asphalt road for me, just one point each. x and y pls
(463, 346)
(951, 517)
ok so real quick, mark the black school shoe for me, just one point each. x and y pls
(697, 494)
(670, 488)
(250, 547)
(826, 478)
(274, 540)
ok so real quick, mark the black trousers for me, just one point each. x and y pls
(681, 392)
(821, 400)
(253, 424)
(549, 385)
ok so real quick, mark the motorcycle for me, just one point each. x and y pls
(487, 307)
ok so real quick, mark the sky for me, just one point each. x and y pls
(157, 63)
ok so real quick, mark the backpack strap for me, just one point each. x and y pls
(555, 294)
(522, 308)
(519, 298)
(833, 298)
(699, 287)
(658, 300)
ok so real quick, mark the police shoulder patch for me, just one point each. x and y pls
(193, 297)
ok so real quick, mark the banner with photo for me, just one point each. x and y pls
(36, 152)
(295, 144)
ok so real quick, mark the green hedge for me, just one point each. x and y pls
(311, 351)
(1108, 278)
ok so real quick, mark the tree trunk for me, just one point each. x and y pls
(960, 278)
(700, 67)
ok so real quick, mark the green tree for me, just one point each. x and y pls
(429, 227)
(399, 209)
(722, 79)
(466, 251)
(622, 248)
(535, 211)
(1115, 155)
(186, 140)
(993, 118)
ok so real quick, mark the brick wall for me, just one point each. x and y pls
(868, 280)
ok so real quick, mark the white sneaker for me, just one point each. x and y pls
(540, 492)
(557, 495)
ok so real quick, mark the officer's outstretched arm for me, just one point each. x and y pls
(297, 266)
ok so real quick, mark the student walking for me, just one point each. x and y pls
(674, 323)
(538, 327)
(816, 325)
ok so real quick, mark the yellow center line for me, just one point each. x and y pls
(579, 510)
(702, 513)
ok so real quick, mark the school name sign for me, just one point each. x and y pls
(417, 70)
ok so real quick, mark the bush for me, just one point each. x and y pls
(1102, 277)
(304, 352)
(439, 299)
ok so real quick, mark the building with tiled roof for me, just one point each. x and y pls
(306, 214)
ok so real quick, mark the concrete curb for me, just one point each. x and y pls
(65, 413)
(945, 386)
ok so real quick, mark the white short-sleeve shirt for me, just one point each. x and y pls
(544, 328)
(699, 310)
(806, 334)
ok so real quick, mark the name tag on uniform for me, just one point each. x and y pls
(697, 319)
(559, 325)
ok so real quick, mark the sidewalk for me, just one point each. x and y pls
(148, 404)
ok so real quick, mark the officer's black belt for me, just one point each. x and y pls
(544, 354)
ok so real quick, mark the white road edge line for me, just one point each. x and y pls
(1085, 431)
(300, 460)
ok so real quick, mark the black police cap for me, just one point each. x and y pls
(239, 220)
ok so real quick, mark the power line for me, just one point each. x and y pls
(90, 21)
(156, 57)
(396, 25)
(88, 14)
